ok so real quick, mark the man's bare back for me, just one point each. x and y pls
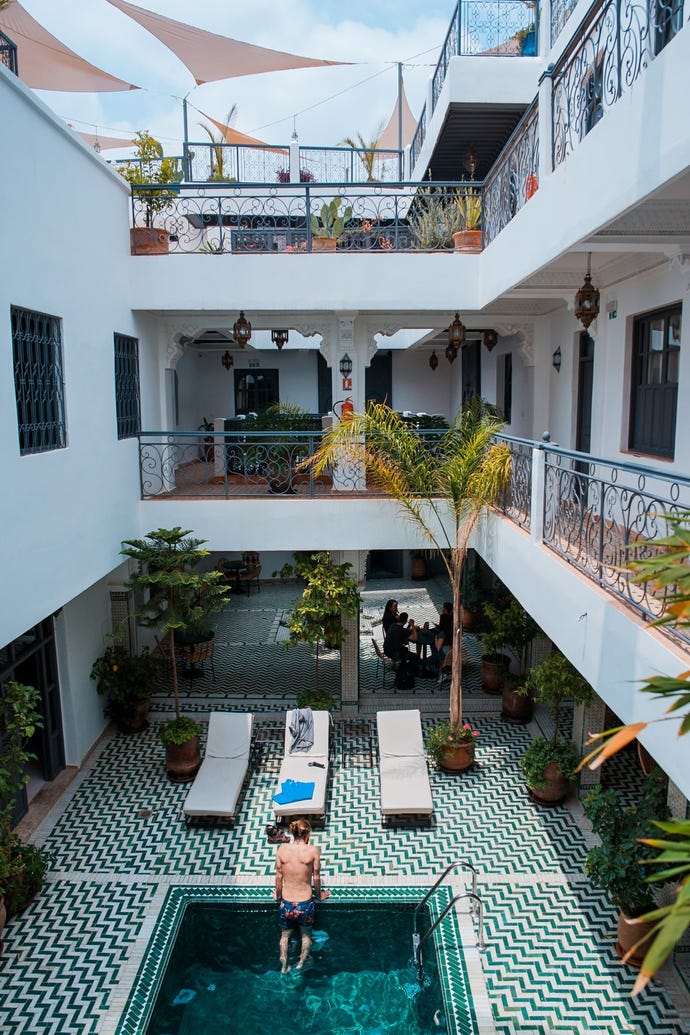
(297, 864)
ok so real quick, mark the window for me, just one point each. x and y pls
(656, 350)
(668, 20)
(37, 358)
(507, 386)
(255, 390)
(127, 397)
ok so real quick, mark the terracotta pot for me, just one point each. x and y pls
(135, 718)
(468, 241)
(494, 670)
(456, 759)
(629, 934)
(149, 240)
(469, 619)
(182, 761)
(516, 708)
(555, 787)
(418, 569)
(324, 244)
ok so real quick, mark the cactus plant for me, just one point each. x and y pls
(328, 223)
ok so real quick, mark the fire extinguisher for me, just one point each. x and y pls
(346, 409)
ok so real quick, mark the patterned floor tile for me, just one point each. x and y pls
(120, 839)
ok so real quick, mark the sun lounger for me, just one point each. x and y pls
(404, 778)
(217, 785)
(297, 766)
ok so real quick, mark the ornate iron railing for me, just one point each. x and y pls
(351, 164)
(516, 502)
(560, 13)
(616, 43)
(513, 178)
(285, 217)
(247, 163)
(418, 139)
(600, 514)
(224, 464)
(8, 53)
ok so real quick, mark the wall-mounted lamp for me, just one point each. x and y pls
(556, 360)
(279, 338)
(345, 366)
(456, 335)
(433, 360)
(490, 339)
(226, 360)
(587, 299)
(242, 330)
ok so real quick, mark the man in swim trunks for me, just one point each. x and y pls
(297, 865)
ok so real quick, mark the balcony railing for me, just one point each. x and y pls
(615, 45)
(516, 502)
(284, 217)
(513, 178)
(8, 53)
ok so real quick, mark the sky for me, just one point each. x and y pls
(323, 105)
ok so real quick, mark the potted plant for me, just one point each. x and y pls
(513, 628)
(127, 681)
(179, 599)
(471, 599)
(328, 226)
(469, 237)
(150, 168)
(207, 448)
(617, 865)
(317, 700)
(22, 866)
(549, 766)
(452, 747)
(433, 219)
(495, 662)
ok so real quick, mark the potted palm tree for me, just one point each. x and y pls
(618, 864)
(151, 169)
(179, 599)
(549, 766)
(469, 238)
(442, 486)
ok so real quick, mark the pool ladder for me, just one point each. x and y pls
(476, 906)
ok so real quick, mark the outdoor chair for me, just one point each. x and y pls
(251, 573)
(404, 777)
(217, 786)
(382, 662)
(300, 768)
(197, 656)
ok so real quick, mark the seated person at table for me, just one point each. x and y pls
(390, 613)
(443, 633)
(397, 638)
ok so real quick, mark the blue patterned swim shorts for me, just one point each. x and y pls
(292, 915)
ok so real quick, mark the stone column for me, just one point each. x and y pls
(349, 651)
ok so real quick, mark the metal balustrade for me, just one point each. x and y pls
(8, 53)
(513, 177)
(516, 501)
(283, 217)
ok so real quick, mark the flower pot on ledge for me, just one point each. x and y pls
(324, 244)
(469, 241)
(149, 240)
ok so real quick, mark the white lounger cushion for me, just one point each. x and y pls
(296, 767)
(218, 783)
(405, 787)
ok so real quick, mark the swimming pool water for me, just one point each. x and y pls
(223, 974)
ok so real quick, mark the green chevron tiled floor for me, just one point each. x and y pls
(119, 843)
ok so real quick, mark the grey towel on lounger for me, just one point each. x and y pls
(302, 730)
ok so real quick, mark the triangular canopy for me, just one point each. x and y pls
(46, 64)
(210, 57)
(389, 138)
(233, 136)
(99, 143)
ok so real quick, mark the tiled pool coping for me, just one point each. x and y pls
(453, 972)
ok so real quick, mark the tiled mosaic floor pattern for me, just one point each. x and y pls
(118, 840)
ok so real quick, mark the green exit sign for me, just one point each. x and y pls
(613, 313)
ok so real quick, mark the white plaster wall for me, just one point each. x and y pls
(418, 388)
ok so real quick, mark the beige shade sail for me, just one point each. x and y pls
(99, 143)
(46, 64)
(389, 138)
(210, 57)
(233, 136)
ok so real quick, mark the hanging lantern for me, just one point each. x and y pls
(345, 366)
(456, 335)
(490, 339)
(279, 338)
(451, 352)
(433, 360)
(227, 360)
(242, 330)
(587, 299)
(471, 161)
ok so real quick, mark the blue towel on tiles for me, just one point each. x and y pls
(293, 790)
